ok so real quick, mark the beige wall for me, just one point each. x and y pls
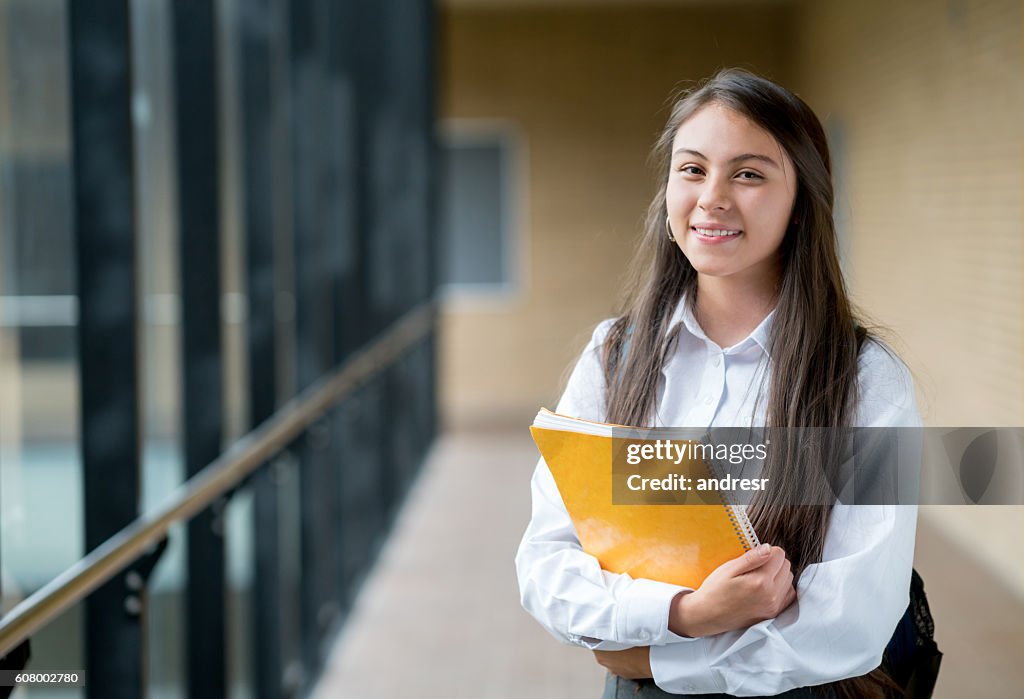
(587, 91)
(932, 96)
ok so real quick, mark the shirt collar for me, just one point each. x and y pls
(761, 335)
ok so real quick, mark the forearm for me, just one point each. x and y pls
(568, 593)
(770, 657)
(688, 618)
(565, 589)
(847, 608)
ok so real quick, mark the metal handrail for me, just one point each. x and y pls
(194, 495)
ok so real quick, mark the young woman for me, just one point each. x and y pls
(738, 316)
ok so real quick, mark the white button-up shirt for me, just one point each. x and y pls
(847, 605)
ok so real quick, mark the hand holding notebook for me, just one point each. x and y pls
(739, 593)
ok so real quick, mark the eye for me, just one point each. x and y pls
(753, 175)
(689, 170)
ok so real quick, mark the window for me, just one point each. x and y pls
(478, 197)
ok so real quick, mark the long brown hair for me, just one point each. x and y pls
(815, 338)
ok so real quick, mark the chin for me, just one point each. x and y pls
(711, 268)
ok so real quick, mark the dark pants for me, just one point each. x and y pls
(618, 688)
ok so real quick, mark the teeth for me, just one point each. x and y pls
(715, 233)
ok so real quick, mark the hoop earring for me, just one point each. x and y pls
(668, 230)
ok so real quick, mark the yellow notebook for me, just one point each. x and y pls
(679, 544)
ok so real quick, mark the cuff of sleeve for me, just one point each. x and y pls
(597, 644)
(683, 668)
(643, 615)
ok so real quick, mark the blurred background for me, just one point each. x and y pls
(210, 209)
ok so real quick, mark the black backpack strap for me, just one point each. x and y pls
(912, 657)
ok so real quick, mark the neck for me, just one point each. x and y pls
(729, 309)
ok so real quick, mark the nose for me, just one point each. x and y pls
(714, 195)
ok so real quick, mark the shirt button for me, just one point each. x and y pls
(716, 360)
(707, 400)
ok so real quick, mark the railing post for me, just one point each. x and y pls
(311, 139)
(258, 40)
(341, 250)
(105, 264)
(196, 118)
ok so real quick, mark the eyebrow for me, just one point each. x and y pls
(737, 159)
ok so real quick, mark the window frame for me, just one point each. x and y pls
(505, 134)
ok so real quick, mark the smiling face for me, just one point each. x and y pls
(730, 195)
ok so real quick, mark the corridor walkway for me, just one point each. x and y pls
(439, 616)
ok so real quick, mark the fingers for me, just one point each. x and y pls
(783, 573)
(770, 558)
(632, 663)
(784, 581)
(751, 560)
(789, 599)
(776, 562)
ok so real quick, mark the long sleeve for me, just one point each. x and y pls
(847, 605)
(563, 587)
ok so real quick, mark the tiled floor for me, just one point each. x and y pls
(440, 615)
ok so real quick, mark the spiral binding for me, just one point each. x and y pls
(744, 529)
(740, 523)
